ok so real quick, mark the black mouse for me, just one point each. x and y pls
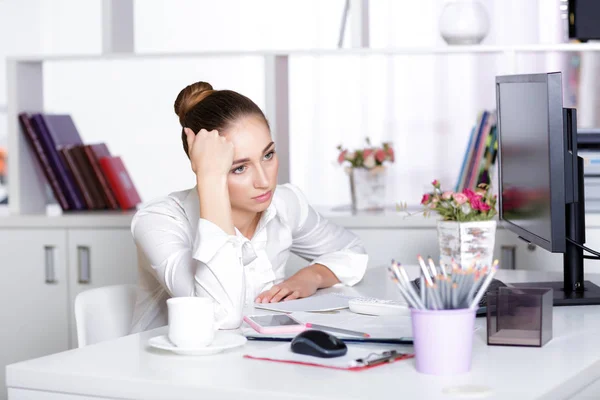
(318, 344)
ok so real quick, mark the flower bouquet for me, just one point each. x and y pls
(466, 230)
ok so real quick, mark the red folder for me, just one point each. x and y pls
(120, 182)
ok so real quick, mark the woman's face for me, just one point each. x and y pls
(253, 174)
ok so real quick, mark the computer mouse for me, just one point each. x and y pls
(317, 343)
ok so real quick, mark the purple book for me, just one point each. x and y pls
(55, 131)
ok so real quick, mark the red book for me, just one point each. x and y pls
(120, 182)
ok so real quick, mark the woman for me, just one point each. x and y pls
(230, 236)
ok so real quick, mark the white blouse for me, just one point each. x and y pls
(185, 255)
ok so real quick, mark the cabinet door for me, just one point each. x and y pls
(98, 257)
(33, 294)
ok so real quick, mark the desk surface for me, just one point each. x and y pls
(127, 369)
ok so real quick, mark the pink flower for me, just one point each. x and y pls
(342, 156)
(471, 194)
(369, 162)
(447, 195)
(435, 183)
(390, 153)
(460, 198)
(479, 205)
(425, 198)
(367, 153)
(475, 203)
(380, 155)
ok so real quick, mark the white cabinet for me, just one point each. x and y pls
(33, 295)
(98, 257)
(45, 264)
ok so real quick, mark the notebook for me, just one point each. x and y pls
(319, 302)
(357, 358)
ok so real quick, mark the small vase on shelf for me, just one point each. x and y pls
(464, 22)
(367, 188)
(367, 172)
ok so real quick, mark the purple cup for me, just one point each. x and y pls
(443, 340)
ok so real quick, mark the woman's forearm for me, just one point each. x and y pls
(325, 277)
(214, 202)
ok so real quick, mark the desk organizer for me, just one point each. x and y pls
(519, 316)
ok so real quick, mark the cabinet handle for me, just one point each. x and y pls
(83, 261)
(49, 264)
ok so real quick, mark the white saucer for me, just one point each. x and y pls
(223, 341)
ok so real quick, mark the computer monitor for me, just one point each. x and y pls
(541, 192)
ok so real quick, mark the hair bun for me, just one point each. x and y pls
(190, 96)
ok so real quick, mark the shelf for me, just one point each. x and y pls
(440, 50)
(84, 220)
(27, 189)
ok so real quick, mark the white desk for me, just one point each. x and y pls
(127, 369)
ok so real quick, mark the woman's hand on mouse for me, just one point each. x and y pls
(211, 155)
(303, 283)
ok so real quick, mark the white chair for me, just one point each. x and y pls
(104, 313)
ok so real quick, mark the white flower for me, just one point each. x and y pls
(370, 161)
(466, 208)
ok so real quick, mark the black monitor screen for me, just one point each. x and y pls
(525, 167)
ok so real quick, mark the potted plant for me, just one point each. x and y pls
(366, 168)
(467, 228)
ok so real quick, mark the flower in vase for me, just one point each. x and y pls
(468, 205)
(368, 157)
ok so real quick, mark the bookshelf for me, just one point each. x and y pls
(27, 186)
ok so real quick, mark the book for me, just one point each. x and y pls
(94, 153)
(120, 182)
(70, 162)
(89, 177)
(37, 148)
(48, 140)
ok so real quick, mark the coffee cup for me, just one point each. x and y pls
(191, 321)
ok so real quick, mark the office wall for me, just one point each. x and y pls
(425, 105)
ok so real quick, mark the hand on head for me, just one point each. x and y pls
(211, 155)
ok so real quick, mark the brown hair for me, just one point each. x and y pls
(199, 106)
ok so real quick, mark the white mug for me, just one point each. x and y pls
(191, 321)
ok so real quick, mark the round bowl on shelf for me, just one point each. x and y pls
(464, 22)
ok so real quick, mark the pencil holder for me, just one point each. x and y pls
(443, 340)
(519, 316)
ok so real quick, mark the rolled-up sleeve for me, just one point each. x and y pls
(323, 242)
(205, 262)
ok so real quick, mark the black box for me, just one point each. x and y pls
(584, 17)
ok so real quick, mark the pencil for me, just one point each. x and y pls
(337, 330)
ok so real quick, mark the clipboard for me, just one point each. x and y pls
(358, 358)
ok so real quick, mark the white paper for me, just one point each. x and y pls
(323, 302)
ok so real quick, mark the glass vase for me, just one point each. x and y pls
(368, 188)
